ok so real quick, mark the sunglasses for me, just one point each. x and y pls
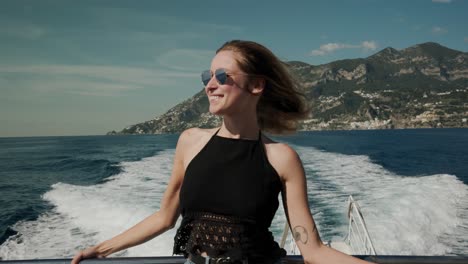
(220, 74)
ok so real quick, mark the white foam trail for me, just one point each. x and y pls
(421, 215)
(405, 215)
(86, 215)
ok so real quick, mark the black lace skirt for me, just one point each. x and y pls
(225, 236)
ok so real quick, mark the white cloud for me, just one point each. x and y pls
(442, 1)
(439, 30)
(73, 85)
(20, 29)
(466, 39)
(328, 48)
(94, 80)
(369, 45)
(332, 47)
(126, 19)
(145, 33)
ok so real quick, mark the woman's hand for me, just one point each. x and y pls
(88, 253)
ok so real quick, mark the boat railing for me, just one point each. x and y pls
(358, 236)
(287, 238)
(287, 260)
(357, 241)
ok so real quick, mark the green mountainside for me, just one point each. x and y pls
(422, 86)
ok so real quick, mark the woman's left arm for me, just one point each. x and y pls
(296, 207)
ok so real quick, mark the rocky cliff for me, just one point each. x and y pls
(425, 85)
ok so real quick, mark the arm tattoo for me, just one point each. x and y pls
(300, 234)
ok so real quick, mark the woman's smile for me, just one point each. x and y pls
(214, 98)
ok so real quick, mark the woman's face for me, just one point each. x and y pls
(232, 97)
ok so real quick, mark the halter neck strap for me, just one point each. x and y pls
(258, 139)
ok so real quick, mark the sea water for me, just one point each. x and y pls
(61, 194)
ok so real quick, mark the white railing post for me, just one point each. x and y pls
(358, 237)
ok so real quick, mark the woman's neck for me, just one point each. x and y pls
(246, 128)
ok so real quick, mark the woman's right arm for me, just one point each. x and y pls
(153, 225)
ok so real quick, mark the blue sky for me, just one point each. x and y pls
(88, 67)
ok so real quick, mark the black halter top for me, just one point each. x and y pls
(228, 199)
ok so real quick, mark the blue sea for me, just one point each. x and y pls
(60, 194)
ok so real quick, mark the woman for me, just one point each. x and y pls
(226, 181)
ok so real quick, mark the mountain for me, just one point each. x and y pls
(425, 85)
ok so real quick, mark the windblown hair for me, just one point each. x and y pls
(282, 104)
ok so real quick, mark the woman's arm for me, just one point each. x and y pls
(153, 225)
(297, 211)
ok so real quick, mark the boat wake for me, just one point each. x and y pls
(405, 215)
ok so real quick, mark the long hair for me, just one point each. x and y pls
(282, 104)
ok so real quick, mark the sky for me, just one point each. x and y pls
(88, 67)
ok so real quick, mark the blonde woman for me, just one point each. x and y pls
(226, 181)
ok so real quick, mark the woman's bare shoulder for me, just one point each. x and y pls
(192, 141)
(278, 148)
(196, 134)
(281, 156)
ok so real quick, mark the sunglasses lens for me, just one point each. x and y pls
(206, 77)
(221, 76)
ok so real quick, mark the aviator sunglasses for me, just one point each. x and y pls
(220, 74)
